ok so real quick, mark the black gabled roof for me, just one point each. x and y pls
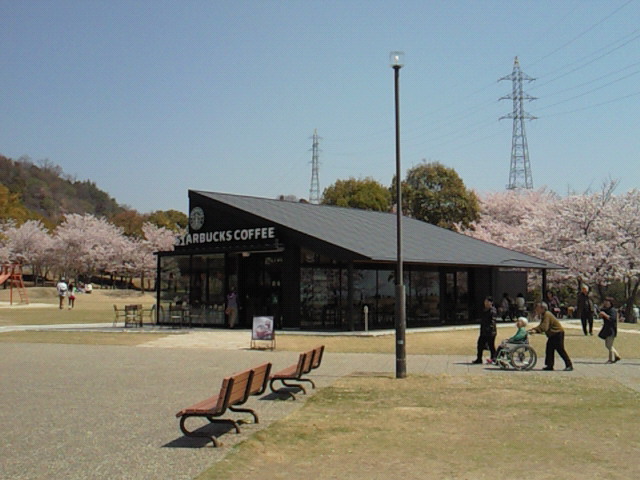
(373, 234)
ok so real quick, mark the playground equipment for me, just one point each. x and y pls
(12, 273)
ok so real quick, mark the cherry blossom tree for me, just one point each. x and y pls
(157, 239)
(595, 234)
(626, 232)
(139, 257)
(85, 244)
(30, 244)
(5, 251)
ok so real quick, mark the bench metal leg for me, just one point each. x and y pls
(225, 420)
(313, 385)
(195, 433)
(289, 385)
(294, 385)
(246, 410)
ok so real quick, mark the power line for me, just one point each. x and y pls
(583, 33)
(624, 97)
(590, 91)
(580, 67)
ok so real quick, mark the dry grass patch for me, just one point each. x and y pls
(127, 338)
(94, 308)
(439, 427)
(459, 342)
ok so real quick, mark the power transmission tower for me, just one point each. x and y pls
(520, 171)
(314, 192)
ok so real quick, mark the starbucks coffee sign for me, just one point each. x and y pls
(226, 236)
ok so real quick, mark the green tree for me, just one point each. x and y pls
(130, 221)
(12, 208)
(170, 219)
(365, 194)
(437, 195)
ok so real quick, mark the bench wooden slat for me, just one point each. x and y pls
(317, 358)
(260, 379)
(240, 392)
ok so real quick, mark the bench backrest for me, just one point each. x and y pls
(308, 361)
(302, 360)
(223, 396)
(260, 379)
(240, 390)
(317, 357)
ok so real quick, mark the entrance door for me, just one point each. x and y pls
(454, 297)
(260, 287)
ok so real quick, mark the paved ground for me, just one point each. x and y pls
(78, 412)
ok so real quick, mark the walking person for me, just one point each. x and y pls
(72, 296)
(62, 288)
(232, 307)
(609, 330)
(552, 327)
(487, 338)
(553, 302)
(585, 310)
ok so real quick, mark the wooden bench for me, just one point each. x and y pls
(307, 361)
(235, 391)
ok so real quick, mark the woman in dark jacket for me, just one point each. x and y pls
(609, 330)
(487, 338)
(585, 310)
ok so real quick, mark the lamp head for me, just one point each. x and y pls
(396, 59)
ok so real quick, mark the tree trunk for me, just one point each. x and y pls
(631, 299)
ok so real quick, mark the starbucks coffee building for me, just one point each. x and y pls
(317, 267)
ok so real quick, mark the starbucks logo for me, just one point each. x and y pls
(196, 218)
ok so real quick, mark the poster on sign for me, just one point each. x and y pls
(263, 331)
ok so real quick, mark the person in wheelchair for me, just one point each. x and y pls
(520, 337)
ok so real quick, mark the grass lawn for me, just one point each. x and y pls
(446, 427)
(94, 308)
(461, 342)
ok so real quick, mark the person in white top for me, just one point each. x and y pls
(62, 288)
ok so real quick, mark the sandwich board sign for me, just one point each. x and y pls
(263, 334)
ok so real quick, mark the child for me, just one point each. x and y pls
(520, 336)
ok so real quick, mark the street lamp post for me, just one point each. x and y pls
(397, 61)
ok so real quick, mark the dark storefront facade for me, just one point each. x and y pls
(317, 267)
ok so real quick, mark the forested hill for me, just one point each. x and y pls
(42, 191)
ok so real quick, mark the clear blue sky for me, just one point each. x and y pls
(151, 98)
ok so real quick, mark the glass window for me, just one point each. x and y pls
(456, 297)
(194, 283)
(424, 298)
(462, 298)
(322, 297)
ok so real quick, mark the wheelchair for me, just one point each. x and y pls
(518, 356)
